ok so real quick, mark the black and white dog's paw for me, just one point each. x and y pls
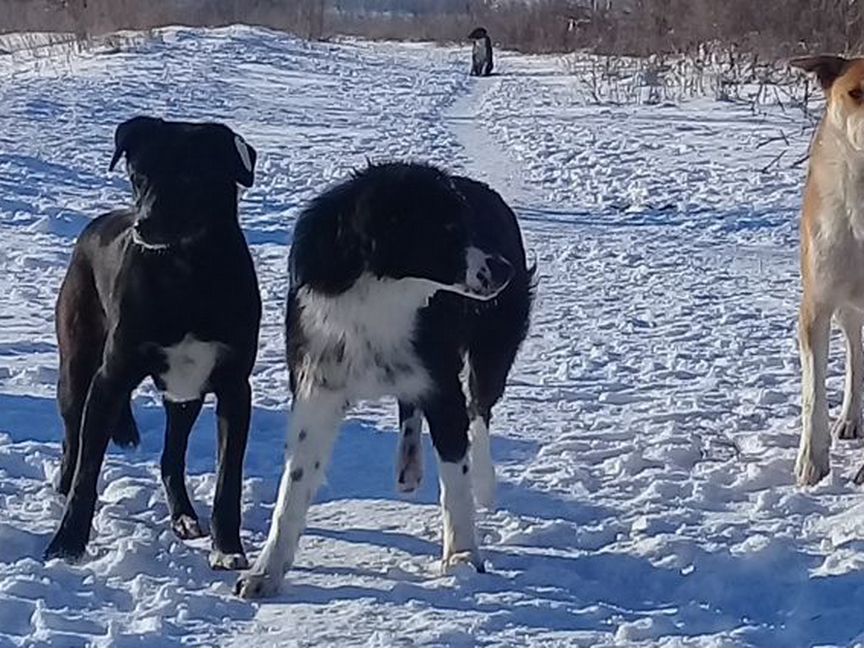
(410, 474)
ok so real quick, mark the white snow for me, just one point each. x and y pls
(645, 445)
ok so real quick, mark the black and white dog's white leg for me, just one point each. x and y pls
(448, 425)
(314, 426)
(482, 468)
(409, 471)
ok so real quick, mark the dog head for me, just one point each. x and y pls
(416, 225)
(395, 221)
(842, 80)
(478, 33)
(184, 177)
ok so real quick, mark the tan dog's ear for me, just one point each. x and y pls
(826, 66)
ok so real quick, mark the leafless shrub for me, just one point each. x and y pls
(87, 18)
(767, 28)
(714, 70)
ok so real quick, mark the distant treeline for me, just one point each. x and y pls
(405, 7)
(637, 27)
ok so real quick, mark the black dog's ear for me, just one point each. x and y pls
(131, 133)
(826, 66)
(244, 157)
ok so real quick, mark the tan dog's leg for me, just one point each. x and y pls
(814, 325)
(848, 426)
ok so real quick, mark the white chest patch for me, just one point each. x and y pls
(190, 363)
(361, 343)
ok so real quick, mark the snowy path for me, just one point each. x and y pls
(646, 442)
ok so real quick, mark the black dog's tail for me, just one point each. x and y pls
(125, 433)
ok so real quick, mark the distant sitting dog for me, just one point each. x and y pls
(397, 278)
(481, 54)
(165, 289)
(832, 260)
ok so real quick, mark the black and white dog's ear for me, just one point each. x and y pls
(244, 157)
(130, 133)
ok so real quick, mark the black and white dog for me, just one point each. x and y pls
(396, 277)
(165, 289)
(481, 53)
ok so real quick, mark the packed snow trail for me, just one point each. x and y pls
(646, 441)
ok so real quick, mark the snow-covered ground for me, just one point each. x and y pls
(646, 442)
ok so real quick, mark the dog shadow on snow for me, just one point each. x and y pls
(768, 598)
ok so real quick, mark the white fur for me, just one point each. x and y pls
(373, 323)
(243, 152)
(352, 340)
(457, 506)
(313, 430)
(482, 468)
(357, 345)
(410, 464)
(190, 363)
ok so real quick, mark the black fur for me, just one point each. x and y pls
(489, 332)
(377, 223)
(140, 280)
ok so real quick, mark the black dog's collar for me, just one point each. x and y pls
(164, 247)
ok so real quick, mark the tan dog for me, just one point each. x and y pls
(832, 260)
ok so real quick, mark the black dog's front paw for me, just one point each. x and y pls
(187, 527)
(228, 561)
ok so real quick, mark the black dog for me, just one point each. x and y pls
(397, 278)
(166, 289)
(481, 53)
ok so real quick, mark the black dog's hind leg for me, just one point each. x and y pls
(233, 411)
(180, 419)
(125, 432)
(80, 325)
(108, 393)
(409, 456)
(80, 341)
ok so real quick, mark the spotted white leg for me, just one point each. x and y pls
(482, 468)
(409, 471)
(314, 426)
(457, 506)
